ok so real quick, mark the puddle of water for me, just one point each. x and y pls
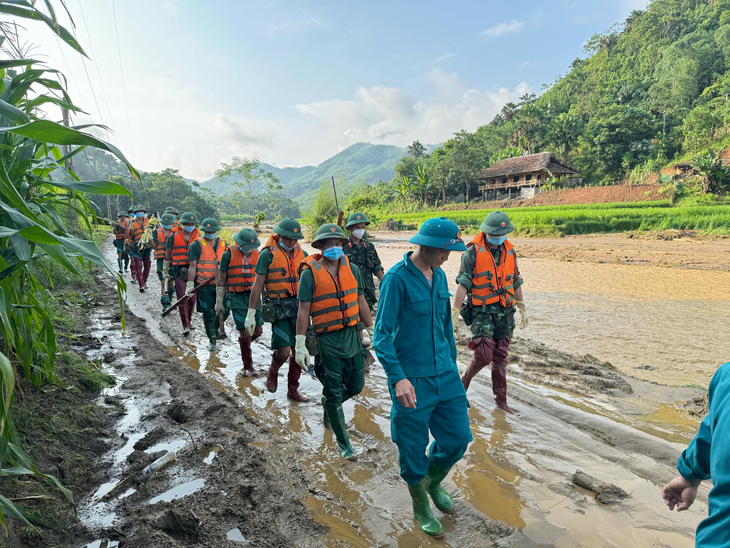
(209, 453)
(235, 535)
(180, 491)
(128, 493)
(169, 446)
(103, 544)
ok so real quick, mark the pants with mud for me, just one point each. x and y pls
(186, 309)
(341, 378)
(142, 269)
(206, 306)
(441, 409)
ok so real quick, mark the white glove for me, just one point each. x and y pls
(301, 356)
(220, 294)
(523, 313)
(189, 286)
(250, 323)
(165, 270)
(455, 316)
(371, 335)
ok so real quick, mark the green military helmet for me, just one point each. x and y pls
(210, 225)
(188, 217)
(247, 239)
(139, 208)
(130, 210)
(122, 214)
(329, 232)
(289, 228)
(167, 219)
(497, 223)
(440, 233)
(355, 219)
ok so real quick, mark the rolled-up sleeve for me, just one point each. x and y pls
(386, 326)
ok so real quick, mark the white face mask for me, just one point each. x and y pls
(358, 233)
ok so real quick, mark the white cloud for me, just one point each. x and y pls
(444, 57)
(390, 116)
(295, 26)
(504, 28)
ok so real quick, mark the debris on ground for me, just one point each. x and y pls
(606, 493)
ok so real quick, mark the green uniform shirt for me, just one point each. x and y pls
(285, 308)
(466, 272)
(365, 257)
(343, 343)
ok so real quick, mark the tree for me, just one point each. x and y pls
(564, 132)
(416, 150)
(715, 177)
(247, 173)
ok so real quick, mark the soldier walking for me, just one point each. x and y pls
(176, 264)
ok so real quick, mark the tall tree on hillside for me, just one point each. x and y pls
(508, 112)
(564, 132)
(247, 173)
(416, 150)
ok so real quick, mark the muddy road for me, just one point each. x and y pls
(513, 487)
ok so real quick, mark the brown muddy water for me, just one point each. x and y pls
(514, 481)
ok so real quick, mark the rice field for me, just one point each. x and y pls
(591, 218)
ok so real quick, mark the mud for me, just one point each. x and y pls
(276, 468)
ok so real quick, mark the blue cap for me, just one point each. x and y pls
(440, 233)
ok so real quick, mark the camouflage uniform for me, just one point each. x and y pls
(492, 321)
(366, 258)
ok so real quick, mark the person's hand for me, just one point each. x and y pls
(301, 356)
(189, 286)
(165, 270)
(220, 295)
(250, 324)
(405, 393)
(455, 316)
(523, 313)
(371, 335)
(680, 493)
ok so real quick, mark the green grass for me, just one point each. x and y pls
(593, 218)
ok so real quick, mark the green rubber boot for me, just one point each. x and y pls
(422, 510)
(441, 498)
(211, 346)
(336, 417)
(326, 418)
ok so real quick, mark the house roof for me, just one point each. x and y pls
(542, 161)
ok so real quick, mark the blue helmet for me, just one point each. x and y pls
(440, 233)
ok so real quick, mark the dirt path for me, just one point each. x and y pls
(513, 486)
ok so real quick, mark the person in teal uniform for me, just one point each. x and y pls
(414, 341)
(708, 457)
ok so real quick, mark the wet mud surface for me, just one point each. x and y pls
(254, 468)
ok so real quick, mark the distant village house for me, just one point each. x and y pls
(522, 176)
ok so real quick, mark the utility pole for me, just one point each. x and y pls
(73, 220)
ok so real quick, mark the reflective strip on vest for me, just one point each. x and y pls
(333, 308)
(137, 231)
(492, 283)
(282, 277)
(241, 275)
(180, 250)
(207, 266)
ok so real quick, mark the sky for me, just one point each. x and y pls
(189, 84)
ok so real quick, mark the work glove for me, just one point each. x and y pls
(220, 294)
(455, 316)
(371, 336)
(189, 286)
(165, 270)
(301, 356)
(523, 313)
(250, 323)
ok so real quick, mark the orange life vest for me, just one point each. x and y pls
(137, 229)
(161, 243)
(241, 270)
(210, 258)
(334, 305)
(128, 230)
(282, 278)
(180, 248)
(120, 231)
(492, 283)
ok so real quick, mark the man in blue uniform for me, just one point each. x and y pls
(414, 341)
(708, 457)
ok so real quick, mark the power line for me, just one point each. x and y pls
(121, 70)
(96, 65)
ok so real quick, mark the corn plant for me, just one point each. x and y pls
(37, 195)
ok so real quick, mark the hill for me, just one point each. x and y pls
(358, 163)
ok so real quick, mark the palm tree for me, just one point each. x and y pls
(416, 150)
